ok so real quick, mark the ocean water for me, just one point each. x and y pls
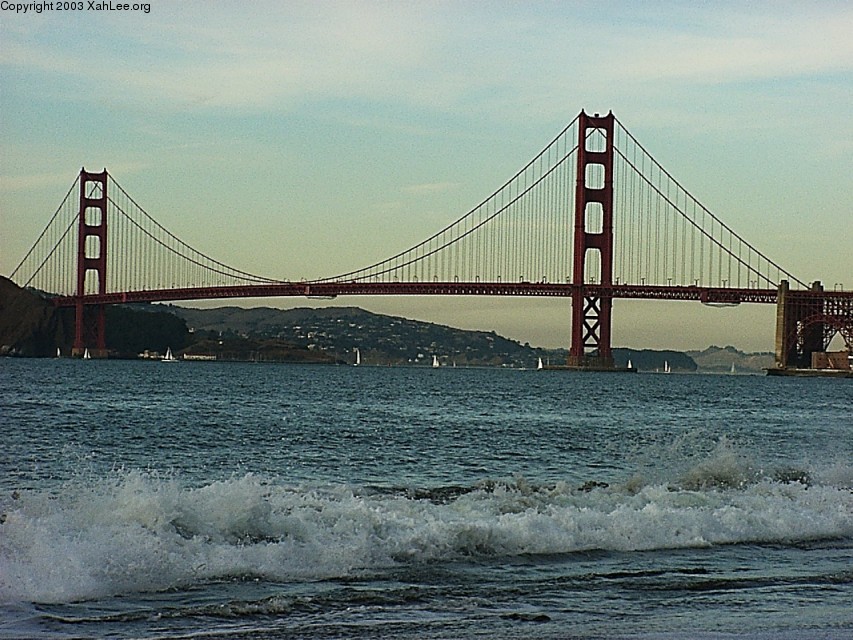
(214, 500)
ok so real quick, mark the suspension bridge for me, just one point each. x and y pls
(593, 217)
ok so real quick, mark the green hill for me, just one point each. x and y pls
(380, 339)
(30, 325)
(720, 360)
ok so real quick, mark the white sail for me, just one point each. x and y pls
(86, 355)
(666, 367)
(630, 366)
(540, 365)
(357, 357)
(58, 353)
(435, 361)
(169, 357)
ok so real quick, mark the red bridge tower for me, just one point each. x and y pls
(591, 314)
(90, 323)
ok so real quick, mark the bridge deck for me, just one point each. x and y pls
(334, 289)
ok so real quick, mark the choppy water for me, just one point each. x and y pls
(146, 500)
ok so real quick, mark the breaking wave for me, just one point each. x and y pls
(139, 531)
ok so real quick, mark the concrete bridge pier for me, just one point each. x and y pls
(800, 326)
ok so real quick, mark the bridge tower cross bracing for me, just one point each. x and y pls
(90, 325)
(591, 314)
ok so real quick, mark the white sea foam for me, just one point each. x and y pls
(135, 531)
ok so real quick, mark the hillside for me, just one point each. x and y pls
(651, 360)
(720, 360)
(380, 339)
(30, 325)
(383, 340)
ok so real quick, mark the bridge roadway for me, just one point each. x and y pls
(332, 289)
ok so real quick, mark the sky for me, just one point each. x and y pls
(304, 139)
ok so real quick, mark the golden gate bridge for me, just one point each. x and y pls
(592, 217)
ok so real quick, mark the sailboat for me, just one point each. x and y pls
(540, 365)
(86, 355)
(630, 365)
(733, 368)
(357, 357)
(666, 367)
(435, 364)
(169, 357)
(58, 353)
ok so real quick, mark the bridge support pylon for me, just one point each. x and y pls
(90, 324)
(796, 336)
(807, 321)
(591, 314)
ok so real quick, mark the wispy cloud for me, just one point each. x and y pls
(30, 181)
(34, 181)
(239, 58)
(748, 45)
(434, 187)
(431, 55)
